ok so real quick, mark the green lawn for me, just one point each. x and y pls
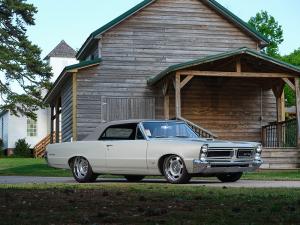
(125, 203)
(38, 167)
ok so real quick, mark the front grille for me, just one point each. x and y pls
(219, 154)
(244, 153)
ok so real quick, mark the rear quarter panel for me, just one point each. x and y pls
(60, 154)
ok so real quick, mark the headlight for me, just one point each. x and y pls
(204, 149)
(259, 149)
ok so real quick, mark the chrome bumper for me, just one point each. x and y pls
(205, 167)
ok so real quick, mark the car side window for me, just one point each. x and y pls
(119, 132)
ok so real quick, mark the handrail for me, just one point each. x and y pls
(198, 129)
(40, 148)
(280, 134)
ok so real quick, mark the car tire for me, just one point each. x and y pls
(82, 170)
(134, 178)
(175, 171)
(229, 177)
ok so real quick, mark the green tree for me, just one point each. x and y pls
(22, 72)
(269, 27)
(294, 59)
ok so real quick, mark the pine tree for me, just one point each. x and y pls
(22, 72)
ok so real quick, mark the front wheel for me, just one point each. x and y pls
(175, 171)
(134, 178)
(82, 170)
(229, 177)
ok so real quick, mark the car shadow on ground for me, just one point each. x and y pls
(153, 181)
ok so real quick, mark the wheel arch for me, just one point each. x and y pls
(162, 159)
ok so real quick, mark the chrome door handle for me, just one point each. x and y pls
(109, 145)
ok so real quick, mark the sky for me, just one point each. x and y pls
(74, 20)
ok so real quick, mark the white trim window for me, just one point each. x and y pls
(31, 128)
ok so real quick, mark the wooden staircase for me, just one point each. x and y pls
(40, 148)
(198, 129)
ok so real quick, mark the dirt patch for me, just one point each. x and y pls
(148, 204)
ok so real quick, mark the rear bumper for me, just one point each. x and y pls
(205, 167)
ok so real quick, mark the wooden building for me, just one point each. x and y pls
(190, 59)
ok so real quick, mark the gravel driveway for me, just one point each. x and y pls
(209, 183)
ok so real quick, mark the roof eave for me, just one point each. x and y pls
(93, 36)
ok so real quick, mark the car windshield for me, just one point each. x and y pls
(168, 130)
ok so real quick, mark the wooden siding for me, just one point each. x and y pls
(66, 111)
(165, 33)
(231, 108)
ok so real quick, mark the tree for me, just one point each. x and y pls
(22, 72)
(294, 59)
(269, 27)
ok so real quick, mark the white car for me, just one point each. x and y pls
(139, 148)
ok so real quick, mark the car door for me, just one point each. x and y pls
(126, 149)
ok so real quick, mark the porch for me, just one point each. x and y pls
(236, 96)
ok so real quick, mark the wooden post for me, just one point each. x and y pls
(177, 95)
(297, 80)
(74, 107)
(167, 107)
(238, 65)
(51, 124)
(57, 130)
(280, 108)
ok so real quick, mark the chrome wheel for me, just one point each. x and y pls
(174, 168)
(81, 167)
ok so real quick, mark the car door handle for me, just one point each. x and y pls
(109, 145)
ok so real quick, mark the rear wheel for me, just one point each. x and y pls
(82, 170)
(134, 178)
(175, 171)
(229, 177)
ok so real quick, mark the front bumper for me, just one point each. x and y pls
(206, 167)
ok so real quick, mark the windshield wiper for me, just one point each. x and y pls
(161, 137)
(179, 136)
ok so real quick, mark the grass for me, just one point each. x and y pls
(124, 203)
(38, 167)
(29, 167)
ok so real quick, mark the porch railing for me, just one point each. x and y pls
(198, 129)
(40, 148)
(280, 134)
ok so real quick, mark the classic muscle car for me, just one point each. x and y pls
(136, 148)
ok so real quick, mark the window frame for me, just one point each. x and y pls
(31, 130)
(137, 126)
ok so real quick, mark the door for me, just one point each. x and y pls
(124, 108)
(126, 150)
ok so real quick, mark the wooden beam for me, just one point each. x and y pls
(289, 83)
(57, 130)
(235, 74)
(167, 107)
(280, 108)
(186, 80)
(51, 123)
(238, 66)
(177, 95)
(165, 87)
(297, 88)
(74, 107)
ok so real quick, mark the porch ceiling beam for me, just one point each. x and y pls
(289, 83)
(186, 80)
(235, 74)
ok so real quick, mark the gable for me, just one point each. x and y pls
(213, 5)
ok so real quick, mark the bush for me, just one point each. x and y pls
(2, 153)
(22, 148)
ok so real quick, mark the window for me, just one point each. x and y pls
(120, 132)
(31, 128)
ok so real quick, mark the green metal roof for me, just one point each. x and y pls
(154, 79)
(211, 3)
(60, 80)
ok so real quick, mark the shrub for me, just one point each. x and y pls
(22, 148)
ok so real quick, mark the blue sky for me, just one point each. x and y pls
(74, 20)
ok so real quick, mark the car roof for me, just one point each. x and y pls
(102, 127)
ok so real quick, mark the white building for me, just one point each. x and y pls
(13, 128)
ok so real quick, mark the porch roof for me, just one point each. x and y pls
(62, 77)
(223, 56)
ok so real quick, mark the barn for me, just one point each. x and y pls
(187, 59)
